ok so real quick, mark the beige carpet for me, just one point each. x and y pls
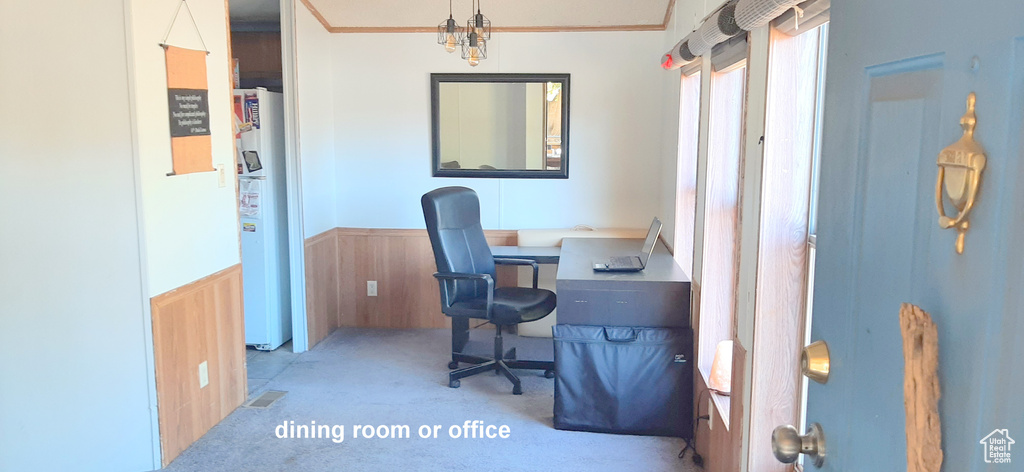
(399, 377)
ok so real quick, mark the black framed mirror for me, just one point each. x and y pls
(500, 125)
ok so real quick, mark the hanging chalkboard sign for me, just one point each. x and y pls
(190, 112)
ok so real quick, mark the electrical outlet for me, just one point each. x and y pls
(204, 374)
(222, 176)
(371, 288)
(711, 413)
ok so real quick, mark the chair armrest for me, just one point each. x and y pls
(466, 276)
(512, 261)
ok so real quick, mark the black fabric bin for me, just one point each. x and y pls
(625, 380)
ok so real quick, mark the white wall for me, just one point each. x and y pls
(382, 125)
(315, 83)
(191, 224)
(76, 388)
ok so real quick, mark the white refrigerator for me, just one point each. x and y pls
(262, 211)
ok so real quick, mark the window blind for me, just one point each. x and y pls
(805, 17)
(736, 17)
(726, 55)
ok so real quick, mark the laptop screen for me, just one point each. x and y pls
(652, 239)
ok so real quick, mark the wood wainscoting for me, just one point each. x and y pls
(719, 445)
(339, 262)
(199, 322)
(323, 309)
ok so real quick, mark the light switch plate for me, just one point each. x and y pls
(222, 176)
(371, 288)
(204, 374)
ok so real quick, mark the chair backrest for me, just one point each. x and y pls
(452, 215)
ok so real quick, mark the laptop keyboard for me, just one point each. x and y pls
(622, 261)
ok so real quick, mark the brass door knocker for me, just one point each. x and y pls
(960, 167)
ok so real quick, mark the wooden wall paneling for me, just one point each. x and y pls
(258, 54)
(201, 321)
(346, 278)
(402, 263)
(323, 307)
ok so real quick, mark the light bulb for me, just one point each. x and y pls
(474, 56)
(450, 44)
(479, 41)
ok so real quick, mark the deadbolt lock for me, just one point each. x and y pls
(814, 361)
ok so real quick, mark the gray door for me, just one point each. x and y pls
(899, 74)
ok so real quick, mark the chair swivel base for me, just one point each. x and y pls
(502, 363)
(499, 367)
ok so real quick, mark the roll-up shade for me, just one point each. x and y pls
(805, 17)
(697, 44)
(752, 14)
(711, 33)
(736, 17)
(691, 68)
(729, 53)
(679, 56)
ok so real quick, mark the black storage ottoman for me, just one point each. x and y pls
(624, 380)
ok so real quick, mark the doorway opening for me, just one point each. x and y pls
(267, 193)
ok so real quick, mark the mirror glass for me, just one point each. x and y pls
(500, 125)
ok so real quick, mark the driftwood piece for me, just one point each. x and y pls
(921, 389)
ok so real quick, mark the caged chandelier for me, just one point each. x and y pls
(472, 39)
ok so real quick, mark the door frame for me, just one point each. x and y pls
(293, 177)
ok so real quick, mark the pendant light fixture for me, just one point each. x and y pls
(474, 49)
(478, 31)
(480, 24)
(449, 33)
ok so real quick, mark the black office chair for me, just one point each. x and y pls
(465, 276)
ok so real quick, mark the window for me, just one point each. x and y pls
(686, 170)
(721, 213)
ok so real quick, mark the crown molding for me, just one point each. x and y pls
(497, 29)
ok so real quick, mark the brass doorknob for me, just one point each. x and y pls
(788, 444)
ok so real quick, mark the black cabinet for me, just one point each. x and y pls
(623, 343)
(624, 380)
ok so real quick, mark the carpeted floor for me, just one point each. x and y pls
(399, 377)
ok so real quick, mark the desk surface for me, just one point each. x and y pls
(579, 254)
(543, 255)
(657, 297)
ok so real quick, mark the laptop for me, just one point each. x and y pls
(633, 263)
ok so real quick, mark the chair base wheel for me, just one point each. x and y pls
(453, 365)
(454, 383)
(517, 390)
(549, 374)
